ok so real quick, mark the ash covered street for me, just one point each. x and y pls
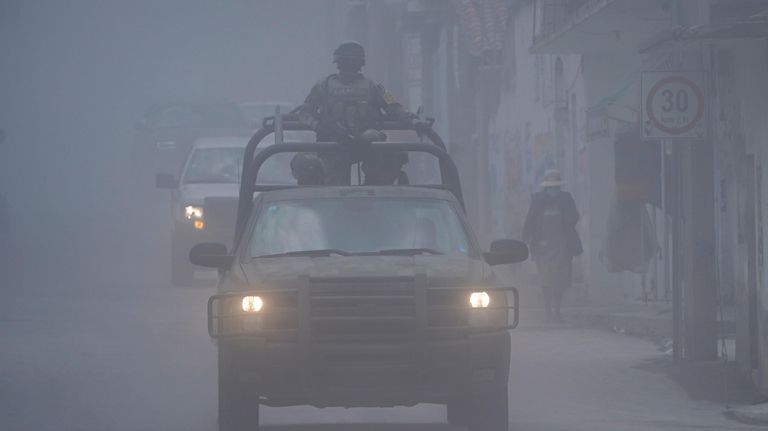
(87, 351)
(148, 365)
(216, 215)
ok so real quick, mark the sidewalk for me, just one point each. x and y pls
(655, 321)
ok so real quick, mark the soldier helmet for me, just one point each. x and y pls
(307, 169)
(349, 50)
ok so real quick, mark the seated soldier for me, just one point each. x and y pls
(386, 169)
(307, 169)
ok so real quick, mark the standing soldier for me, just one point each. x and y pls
(344, 105)
(550, 231)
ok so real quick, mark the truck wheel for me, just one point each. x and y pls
(490, 411)
(238, 401)
(458, 412)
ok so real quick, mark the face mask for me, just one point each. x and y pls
(553, 191)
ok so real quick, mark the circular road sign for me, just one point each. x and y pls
(674, 106)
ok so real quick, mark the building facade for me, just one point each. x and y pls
(522, 86)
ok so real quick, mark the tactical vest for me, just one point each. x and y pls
(352, 105)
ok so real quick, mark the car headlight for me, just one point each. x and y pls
(192, 212)
(479, 300)
(252, 304)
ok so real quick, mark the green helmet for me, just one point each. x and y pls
(349, 50)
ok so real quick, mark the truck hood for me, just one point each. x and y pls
(440, 270)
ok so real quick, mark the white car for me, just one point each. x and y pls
(204, 197)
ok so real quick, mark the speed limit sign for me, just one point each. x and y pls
(673, 105)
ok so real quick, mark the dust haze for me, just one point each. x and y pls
(665, 315)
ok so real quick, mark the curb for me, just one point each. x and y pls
(649, 322)
(753, 415)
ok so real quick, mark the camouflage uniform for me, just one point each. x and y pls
(341, 108)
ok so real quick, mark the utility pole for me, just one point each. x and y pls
(671, 204)
(700, 288)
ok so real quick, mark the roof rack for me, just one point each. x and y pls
(449, 175)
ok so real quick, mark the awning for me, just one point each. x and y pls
(596, 26)
(745, 29)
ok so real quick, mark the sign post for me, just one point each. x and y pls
(673, 105)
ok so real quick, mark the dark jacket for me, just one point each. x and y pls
(570, 214)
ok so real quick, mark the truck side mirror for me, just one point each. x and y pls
(211, 255)
(505, 251)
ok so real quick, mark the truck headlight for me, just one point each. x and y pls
(479, 300)
(192, 212)
(252, 304)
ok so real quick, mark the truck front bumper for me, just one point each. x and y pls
(375, 375)
(361, 347)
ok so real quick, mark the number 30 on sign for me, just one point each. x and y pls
(673, 105)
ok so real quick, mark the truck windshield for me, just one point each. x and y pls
(342, 226)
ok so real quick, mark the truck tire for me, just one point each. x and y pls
(238, 400)
(490, 410)
(458, 412)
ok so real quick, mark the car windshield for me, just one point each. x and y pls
(224, 165)
(340, 226)
(214, 165)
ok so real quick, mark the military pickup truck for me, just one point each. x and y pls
(359, 296)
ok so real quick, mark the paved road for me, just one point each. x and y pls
(93, 338)
(140, 360)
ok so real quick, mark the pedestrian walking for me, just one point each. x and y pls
(550, 232)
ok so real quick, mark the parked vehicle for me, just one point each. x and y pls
(203, 198)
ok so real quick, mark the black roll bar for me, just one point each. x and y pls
(281, 123)
(449, 174)
(290, 122)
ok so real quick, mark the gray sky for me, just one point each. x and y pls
(77, 75)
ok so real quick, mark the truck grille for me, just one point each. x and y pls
(363, 310)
